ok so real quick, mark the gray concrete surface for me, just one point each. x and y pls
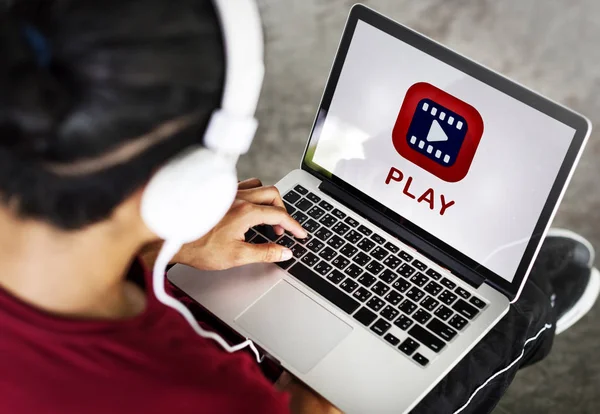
(548, 45)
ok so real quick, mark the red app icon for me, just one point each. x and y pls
(437, 132)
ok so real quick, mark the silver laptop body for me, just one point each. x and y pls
(374, 311)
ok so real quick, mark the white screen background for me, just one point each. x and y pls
(499, 201)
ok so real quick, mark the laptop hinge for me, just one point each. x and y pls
(403, 234)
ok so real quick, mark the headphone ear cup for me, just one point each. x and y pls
(188, 196)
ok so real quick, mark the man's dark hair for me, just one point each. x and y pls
(116, 70)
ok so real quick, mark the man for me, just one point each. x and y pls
(79, 332)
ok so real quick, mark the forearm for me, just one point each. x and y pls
(304, 400)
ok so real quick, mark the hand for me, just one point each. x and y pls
(224, 246)
(303, 399)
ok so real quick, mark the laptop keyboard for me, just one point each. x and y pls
(368, 277)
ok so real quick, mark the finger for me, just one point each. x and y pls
(264, 195)
(275, 216)
(262, 253)
(249, 183)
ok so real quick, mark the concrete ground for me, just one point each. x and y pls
(548, 45)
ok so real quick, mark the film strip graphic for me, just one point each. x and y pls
(437, 132)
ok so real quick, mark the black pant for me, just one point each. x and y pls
(503, 345)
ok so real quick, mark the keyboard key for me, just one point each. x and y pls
(429, 303)
(421, 316)
(421, 360)
(303, 241)
(361, 258)
(419, 265)
(350, 221)
(449, 284)
(353, 236)
(268, 232)
(447, 297)
(310, 259)
(362, 294)
(323, 233)
(340, 228)
(415, 294)
(392, 262)
(249, 235)
(316, 212)
(339, 214)
(303, 204)
(349, 285)
(374, 267)
(389, 313)
(286, 241)
(393, 297)
(366, 245)
(419, 279)
(312, 197)
(315, 245)
(408, 346)
(328, 220)
(310, 225)
(379, 253)
(388, 276)
(327, 253)
(375, 303)
(353, 271)
(380, 288)
(292, 197)
(323, 268)
(365, 316)
(365, 230)
(366, 280)
(405, 256)
(288, 207)
(286, 264)
(433, 274)
(441, 329)
(340, 262)
(433, 288)
(465, 309)
(324, 288)
(401, 285)
(377, 238)
(403, 322)
(477, 302)
(325, 205)
(407, 307)
(391, 339)
(392, 248)
(348, 250)
(458, 322)
(462, 293)
(428, 339)
(443, 312)
(381, 326)
(258, 239)
(406, 270)
(336, 277)
(301, 189)
(300, 217)
(336, 242)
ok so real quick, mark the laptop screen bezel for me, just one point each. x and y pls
(577, 122)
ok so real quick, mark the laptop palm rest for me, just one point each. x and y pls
(295, 328)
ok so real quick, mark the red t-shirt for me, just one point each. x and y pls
(153, 363)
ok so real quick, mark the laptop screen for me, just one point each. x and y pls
(463, 161)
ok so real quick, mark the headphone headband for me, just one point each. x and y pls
(232, 128)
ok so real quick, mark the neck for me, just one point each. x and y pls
(77, 274)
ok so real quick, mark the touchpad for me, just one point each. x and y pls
(293, 326)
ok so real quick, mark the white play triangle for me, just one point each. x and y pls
(436, 133)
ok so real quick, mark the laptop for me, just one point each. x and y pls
(427, 186)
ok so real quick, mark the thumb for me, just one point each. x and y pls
(263, 253)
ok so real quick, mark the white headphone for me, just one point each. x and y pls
(192, 193)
